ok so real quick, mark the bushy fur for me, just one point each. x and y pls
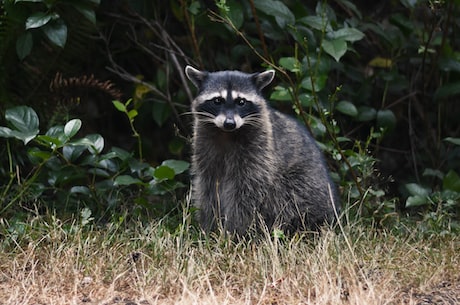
(267, 172)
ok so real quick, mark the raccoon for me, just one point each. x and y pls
(253, 166)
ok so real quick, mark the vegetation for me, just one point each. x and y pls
(78, 263)
(94, 149)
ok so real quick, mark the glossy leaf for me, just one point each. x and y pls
(37, 20)
(317, 23)
(417, 190)
(178, 166)
(86, 11)
(94, 143)
(416, 201)
(161, 113)
(455, 141)
(24, 121)
(56, 33)
(23, 118)
(347, 34)
(277, 9)
(316, 84)
(235, 13)
(451, 181)
(347, 108)
(290, 64)
(336, 48)
(447, 90)
(366, 113)
(72, 127)
(24, 45)
(386, 119)
(126, 180)
(163, 172)
(119, 105)
(280, 94)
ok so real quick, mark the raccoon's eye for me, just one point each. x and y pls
(240, 101)
(218, 100)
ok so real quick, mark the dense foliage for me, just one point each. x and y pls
(377, 84)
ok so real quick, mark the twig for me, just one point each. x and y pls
(259, 29)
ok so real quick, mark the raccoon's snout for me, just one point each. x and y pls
(229, 124)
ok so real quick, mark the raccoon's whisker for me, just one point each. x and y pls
(205, 114)
(254, 120)
(187, 113)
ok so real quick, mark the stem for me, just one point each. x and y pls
(259, 29)
(191, 26)
(25, 187)
(139, 139)
(10, 161)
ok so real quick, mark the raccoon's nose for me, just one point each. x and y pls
(229, 124)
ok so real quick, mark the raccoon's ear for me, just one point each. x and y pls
(263, 79)
(195, 76)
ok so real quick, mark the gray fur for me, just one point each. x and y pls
(269, 171)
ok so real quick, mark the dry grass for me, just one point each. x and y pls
(47, 262)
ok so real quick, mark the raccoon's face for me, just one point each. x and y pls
(228, 99)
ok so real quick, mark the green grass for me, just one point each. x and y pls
(47, 261)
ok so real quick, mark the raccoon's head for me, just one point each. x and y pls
(228, 99)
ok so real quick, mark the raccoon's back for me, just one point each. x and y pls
(294, 143)
(302, 168)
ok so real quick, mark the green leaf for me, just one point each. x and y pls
(290, 64)
(72, 153)
(23, 118)
(72, 127)
(366, 113)
(94, 143)
(122, 154)
(49, 141)
(6, 132)
(347, 108)
(319, 83)
(24, 45)
(451, 181)
(97, 143)
(449, 64)
(37, 20)
(163, 173)
(126, 180)
(194, 7)
(80, 190)
(86, 11)
(386, 119)
(161, 112)
(120, 106)
(235, 13)
(25, 122)
(347, 34)
(56, 32)
(38, 155)
(277, 9)
(178, 166)
(280, 94)
(417, 190)
(132, 114)
(416, 201)
(336, 48)
(455, 141)
(429, 172)
(447, 90)
(317, 22)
